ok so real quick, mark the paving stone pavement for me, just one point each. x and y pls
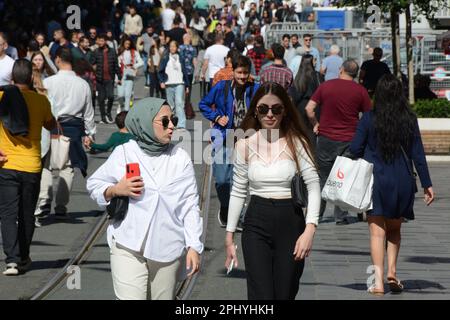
(337, 266)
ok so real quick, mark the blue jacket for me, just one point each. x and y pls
(162, 75)
(217, 97)
(393, 186)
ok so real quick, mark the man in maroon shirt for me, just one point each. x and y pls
(341, 101)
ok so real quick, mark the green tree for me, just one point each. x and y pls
(428, 8)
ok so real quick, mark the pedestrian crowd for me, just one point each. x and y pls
(304, 112)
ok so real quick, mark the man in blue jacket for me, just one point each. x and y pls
(231, 99)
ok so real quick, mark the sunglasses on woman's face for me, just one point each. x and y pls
(165, 120)
(263, 109)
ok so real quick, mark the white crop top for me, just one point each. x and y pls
(266, 170)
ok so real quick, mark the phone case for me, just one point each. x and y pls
(133, 170)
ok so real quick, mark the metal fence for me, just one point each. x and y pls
(358, 44)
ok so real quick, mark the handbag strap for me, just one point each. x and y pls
(407, 160)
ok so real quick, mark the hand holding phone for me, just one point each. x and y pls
(133, 170)
(231, 265)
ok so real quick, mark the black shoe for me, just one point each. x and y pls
(342, 222)
(103, 121)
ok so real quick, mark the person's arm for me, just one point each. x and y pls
(88, 113)
(359, 141)
(192, 221)
(204, 68)
(205, 105)
(105, 146)
(310, 107)
(138, 62)
(238, 195)
(140, 26)
(162, 76)
(420, 163)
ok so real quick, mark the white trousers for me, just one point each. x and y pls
(138, 278)
(64, 186)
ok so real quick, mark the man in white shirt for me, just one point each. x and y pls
(214, 59)
(168, 15)
(133, 24)
(6, 63)
(242, 18)
(72, 107)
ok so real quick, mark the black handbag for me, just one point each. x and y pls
(118, 206)
(410, 169)
(299, 192)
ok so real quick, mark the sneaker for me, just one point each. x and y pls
(11, 269)
(62, 216)
(103, 121)
(222, 224)
(37, 223)
(109, 118)
(25, 265)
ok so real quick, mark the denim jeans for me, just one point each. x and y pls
(124, 93)
(223, 174)
(18, 196)
(327, 151)
(146, 73)
(175, 98)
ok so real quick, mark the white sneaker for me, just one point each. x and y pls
(221, 223)
(11, 269)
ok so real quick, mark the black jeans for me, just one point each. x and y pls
(271, 229)
(155, 86)
(188, 96)
(327, 151)
(105, 91)
(19, 193)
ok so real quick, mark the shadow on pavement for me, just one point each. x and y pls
(428, 260)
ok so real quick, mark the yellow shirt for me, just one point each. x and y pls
(24, 153)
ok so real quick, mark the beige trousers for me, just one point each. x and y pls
(138, 278)
(64, 186)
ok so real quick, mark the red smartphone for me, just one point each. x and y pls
(133, 170)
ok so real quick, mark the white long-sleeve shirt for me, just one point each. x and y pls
(71, 96)
(167, 210)
(266, 170)
(133, 25)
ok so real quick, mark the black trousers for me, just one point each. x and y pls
(271, 229)
(19, 193)
(155, 87)
(327, 151)
(105, 91)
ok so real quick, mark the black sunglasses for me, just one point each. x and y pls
(165, 120)
(276, 109)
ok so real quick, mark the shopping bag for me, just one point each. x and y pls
(59, 150)
(349, 185)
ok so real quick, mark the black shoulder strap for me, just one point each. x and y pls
(227, 89)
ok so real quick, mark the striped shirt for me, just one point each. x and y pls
(277, 73)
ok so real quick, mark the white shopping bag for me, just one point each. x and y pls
(59, 149)
(349, 185)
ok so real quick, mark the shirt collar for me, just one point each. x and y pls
(67, 72)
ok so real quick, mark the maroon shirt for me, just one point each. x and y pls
(340, 102)
(106, 73)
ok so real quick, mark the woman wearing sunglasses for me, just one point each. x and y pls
(161, 230)
(276, 237)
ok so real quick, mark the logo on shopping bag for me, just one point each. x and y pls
(340, 174)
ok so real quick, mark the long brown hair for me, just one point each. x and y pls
(125, 38)
(46, 67)
(292, 125)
